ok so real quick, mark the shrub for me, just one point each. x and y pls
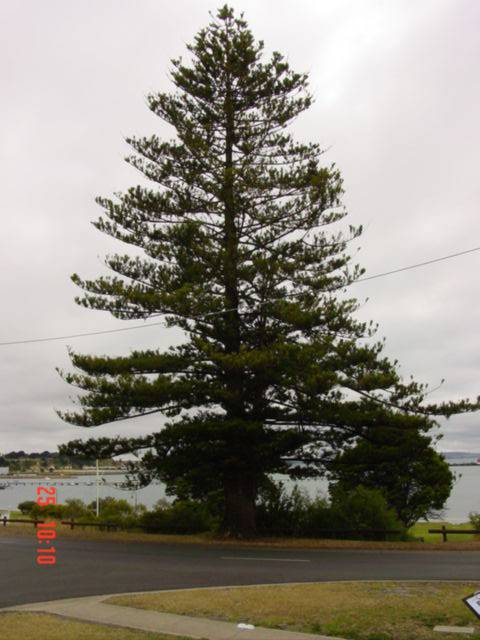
(280, 513)
(115, 510)
(55, 511)
(474, 518)
(318, 519)
(73, 508)
(26, 506)
(363, 509)
(184, 516)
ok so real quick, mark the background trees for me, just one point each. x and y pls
(242, 250)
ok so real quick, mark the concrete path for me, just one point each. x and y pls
(94, 609)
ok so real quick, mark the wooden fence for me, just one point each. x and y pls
(103, 526)
(6, 520)
(445, 532)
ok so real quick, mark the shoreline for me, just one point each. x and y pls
(54, 475)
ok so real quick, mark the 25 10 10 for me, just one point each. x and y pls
(46, 531)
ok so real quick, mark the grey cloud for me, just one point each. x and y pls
(397, 91)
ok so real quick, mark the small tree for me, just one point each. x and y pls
(235, 252)
(415, 480)
(26, 506)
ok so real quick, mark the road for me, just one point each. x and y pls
(94, 568)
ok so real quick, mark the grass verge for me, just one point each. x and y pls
(352, 610)
(420, 530)
(433, 543)
(41, 626)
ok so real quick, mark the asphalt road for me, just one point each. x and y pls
(94, 568)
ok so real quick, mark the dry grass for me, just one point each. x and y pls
(356, 611)
(208, 539)
(40, 626)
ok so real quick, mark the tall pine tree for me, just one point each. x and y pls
(237, 252)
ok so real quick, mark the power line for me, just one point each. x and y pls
(215, 313)
(81, 335)
(419, 264)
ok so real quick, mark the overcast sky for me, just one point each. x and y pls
(397, 93)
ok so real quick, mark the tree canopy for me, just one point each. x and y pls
(402, 463)
(243, 248)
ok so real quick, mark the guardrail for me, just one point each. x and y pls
(445, 532)
(6, 520)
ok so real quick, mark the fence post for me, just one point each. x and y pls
(35, 523)
(72, 524)
(444, 533)
(4, 521)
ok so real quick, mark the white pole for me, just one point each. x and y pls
(98, 490)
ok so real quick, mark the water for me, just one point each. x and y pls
(465, 495)
(82, 487)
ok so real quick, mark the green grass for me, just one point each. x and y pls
(420, 530)
(432, 542)
(40, 626)
(351, 610)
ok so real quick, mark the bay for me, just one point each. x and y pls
(465, 496)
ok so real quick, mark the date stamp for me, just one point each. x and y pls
(46, 531)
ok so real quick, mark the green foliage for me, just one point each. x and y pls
(474, 518)
(112, 510)
(21, 461)
(281, 513)
(401, 463)
(346, 515)
(233, 248)
(73, 508)
(26, 506)
(182, 517)
(363, 508)
(117, 511)
(113, 506)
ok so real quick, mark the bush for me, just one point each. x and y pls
(295, 514)
(73, 508)
(55, 511)
(184, 516)
(319, 518)
(362, 509)
(474, 518)
(118, 511)
(280, 513)
(26, 507)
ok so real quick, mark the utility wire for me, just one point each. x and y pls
(82, 335)
(419, 264)
(215, 313)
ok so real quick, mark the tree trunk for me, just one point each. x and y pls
(232, 337)
(240, 493)
(239, 488)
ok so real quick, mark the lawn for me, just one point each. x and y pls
(420, 530)
(40, 626)
(458, 542)
(351, 610)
